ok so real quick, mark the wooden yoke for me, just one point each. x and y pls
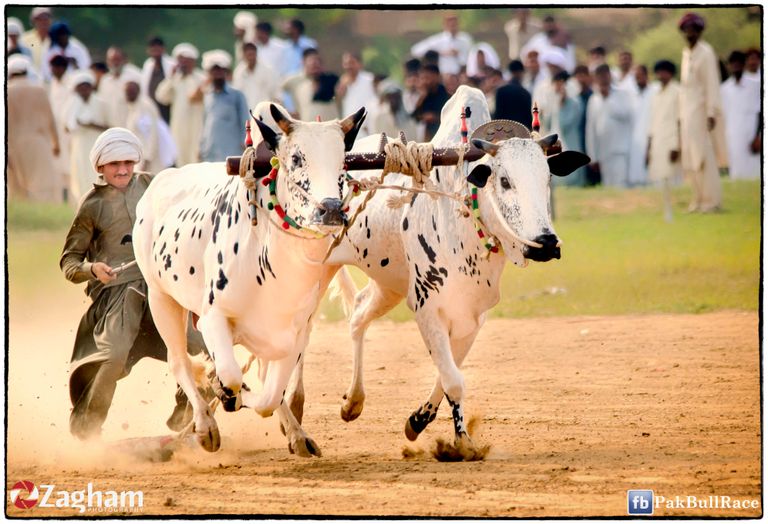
(354, 161)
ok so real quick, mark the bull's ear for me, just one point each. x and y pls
(565, 163)
(488, 147)
(350, 126)
(283, 121)
(479, 175)
(269, 136)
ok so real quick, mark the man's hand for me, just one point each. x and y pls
(756, 144)
(710, 123)
(674, 156)
(56, 150)
(103, 272)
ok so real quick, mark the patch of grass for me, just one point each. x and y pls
(29, 216)
(619, 256)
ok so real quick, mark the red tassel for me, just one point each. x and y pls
(535, 125)
(248, 139)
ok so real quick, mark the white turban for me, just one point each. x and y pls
(245, 20)
(555, 57)
(217, 57)
(37, 11)
(18, 64)
(114, 145)
(130, 75)
(81, 76)
(14, 26)
(186, 50)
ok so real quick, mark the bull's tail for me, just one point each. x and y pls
(344, 287)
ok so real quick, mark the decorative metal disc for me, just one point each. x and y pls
(497, 130)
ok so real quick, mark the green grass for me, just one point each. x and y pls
(619, 256)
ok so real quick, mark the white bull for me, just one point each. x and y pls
(254, 286)
(436, 259)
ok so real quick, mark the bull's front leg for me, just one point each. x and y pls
(436, 337)
(426, 413)
(217, 334)
(272, 398)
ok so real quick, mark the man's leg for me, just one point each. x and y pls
(712, 192)
(114, 336)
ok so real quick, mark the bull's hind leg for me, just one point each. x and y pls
(171, 322)
(371, 302)
(426, 413)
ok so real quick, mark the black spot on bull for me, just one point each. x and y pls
(222, 282)
(126, 239)
(405, 224)
(427, 249)
(432, 280)
(384, 262)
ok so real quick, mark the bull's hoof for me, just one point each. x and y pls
(304, 447)
(352, 408)
(230, 400)
(417, 423)
(208, 438)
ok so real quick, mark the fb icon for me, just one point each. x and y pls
(640, 502)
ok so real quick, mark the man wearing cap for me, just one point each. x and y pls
(699, 106)
(226, 111)
(86, 117)
(33, 141)
(64, 44)
(13, 29)
(112, 85)
(37, 39)
(244, 29)
(183, 92)
(117, 330)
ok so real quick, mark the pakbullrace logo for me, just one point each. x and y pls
(25, 495)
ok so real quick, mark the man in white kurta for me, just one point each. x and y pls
(37, 39)
(66, 45)
(59, 94)
(183, 92)
(257, 81)
(699, 106)
(663, 149)
(271, 50)
(452, 45)
(741, 107)
(112, 85)
(609, 130)
(641, 98)
(355, 88)
(143, 120)
(86, 118)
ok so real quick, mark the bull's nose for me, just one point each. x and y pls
(330, 213)
(550, 248)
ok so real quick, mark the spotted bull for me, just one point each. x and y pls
(257, 286)
(434, 257)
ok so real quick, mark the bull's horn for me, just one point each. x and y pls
(283, 122)
(488, 147)
(548, 141)
(350, 126)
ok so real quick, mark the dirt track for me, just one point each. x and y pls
(577, 411)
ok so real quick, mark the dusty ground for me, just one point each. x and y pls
(577, 411)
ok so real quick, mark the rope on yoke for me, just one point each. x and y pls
(411, 159)
(247, 172)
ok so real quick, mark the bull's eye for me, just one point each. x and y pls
(296, 160)
(505, 183)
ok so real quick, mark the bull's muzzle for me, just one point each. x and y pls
(330, 212)
(550, 248)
